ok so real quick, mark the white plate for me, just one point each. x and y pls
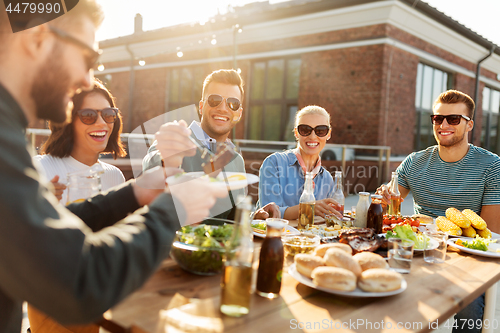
(357, 293)
(288, 230)
(490, 254)
(233, 180)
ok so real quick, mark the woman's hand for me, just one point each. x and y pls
(269, 210)
(58, 188)
(327, 206)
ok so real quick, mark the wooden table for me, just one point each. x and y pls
(435, 292)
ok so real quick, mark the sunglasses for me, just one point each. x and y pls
(91, 55)
(215, 100)
(320, 130)
(452, 119)
(89, 116)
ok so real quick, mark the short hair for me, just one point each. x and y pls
(455, 97)
(84, 8)
(62, 139)
(226, 76)
(311, 109)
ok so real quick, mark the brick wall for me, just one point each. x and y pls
(369, 90)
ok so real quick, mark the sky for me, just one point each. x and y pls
(480, 16)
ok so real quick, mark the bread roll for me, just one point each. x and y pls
(380, 280)
(369, 260)
(338, 258)
(334, 278)
(305, 263)
(321, 250)
(424, 219)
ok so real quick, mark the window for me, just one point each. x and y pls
(430, 83)
(185, 87)
(489, 133)
(274, 90)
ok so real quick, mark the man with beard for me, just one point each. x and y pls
(72, 263)
(453, 174)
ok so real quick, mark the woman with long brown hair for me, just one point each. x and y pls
(95, 128)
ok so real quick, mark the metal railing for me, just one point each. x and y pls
(260, 146)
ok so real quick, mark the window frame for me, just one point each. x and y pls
(420, 111)
(284, 102)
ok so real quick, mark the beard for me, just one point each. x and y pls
(454, 141)
(50, 87)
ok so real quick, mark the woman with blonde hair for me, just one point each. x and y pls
(282, 174)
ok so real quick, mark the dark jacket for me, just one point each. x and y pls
(62, 260)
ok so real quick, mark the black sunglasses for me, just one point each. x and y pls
(89, 116)
(233, 103)
(320, 130)
(452, 119)
(91, 55)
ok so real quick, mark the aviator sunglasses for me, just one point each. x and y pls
(306, 130)
(215, 100)
(89, 116)
(452, 119)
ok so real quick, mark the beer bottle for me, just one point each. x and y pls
(236, 285)
(338, 193)
(395, 205)
(307, 203)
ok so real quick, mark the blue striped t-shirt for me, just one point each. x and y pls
(436, 185)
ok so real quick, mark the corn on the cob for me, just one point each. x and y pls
(469, 232)
(486, 233)
(447, 226)
(476, 220)
(458, 218)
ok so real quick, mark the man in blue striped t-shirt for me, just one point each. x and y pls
(453, 174)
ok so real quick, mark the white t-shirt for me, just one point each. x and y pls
(52, 166)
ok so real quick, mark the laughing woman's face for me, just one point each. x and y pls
(312, 144)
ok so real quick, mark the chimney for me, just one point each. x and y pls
(137, 23)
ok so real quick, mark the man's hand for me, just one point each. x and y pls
(58, 188)
(151, 183)
(173, 143)
(196, 196)
(327, 206)
(383, 190)
(269, 210)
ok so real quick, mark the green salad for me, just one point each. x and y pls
(478, 243)
(261, 225)
(406, 232)
(199, 249)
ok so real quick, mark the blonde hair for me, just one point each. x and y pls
(311, 109)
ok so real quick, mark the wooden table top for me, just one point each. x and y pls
(435, 292)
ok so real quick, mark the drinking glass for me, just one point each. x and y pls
(435, 247)
(84, 184)
(400, 254)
